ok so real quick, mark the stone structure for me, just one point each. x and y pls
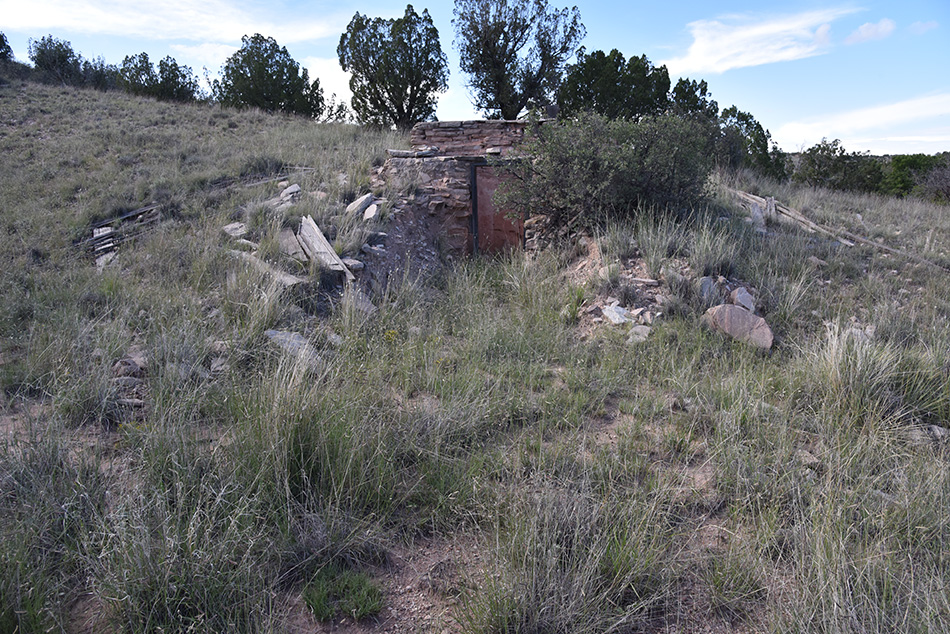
(468, 138)
(448, 173)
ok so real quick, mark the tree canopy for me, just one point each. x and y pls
(614, 87)
(56, 59)
(262, 74)
(6, 52)
(692, 98)
(172, 82)
(745, 143)
(397, 68)
(492, 36)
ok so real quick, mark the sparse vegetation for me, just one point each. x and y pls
(681, 482)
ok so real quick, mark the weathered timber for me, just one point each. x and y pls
(317, 248)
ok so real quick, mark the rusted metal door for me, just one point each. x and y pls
(495, 230)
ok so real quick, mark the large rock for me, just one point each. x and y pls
(740, 324)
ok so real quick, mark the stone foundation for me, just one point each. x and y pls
(438, 171)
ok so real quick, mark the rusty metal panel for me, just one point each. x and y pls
(496, 230)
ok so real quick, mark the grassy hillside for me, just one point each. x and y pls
(479, 455)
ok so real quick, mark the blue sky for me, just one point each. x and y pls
(873, 74)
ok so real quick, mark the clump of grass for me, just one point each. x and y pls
(334, 592)
(659, 237)
(569, 560)
(734, 585)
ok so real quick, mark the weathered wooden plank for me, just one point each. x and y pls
(317, 248)
(289, 245)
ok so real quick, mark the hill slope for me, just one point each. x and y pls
(485, 452)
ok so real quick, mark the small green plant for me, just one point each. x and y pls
(334, 592)
(570, 314)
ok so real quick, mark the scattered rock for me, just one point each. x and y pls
(742, 297)
(371, 212)
(808, 459)
(816, 261)
(369, 249)
(928, 434)
(290, 192)
(296, 345)
(616, 314)
(740, 324)
(353, 298)
(134, 364)
(359, 205)
(354, 264)
(246, 244)
(672, 277)
(127, 382)
(708, 290)
(235, 229)
(639, 334)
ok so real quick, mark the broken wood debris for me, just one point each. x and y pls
(791, 214)
(109, 233)
(847, 238)
(318, 249)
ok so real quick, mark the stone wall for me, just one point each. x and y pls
(437, 172)
(440, 188)
(467, 138)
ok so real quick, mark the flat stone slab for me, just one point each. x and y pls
(235, 229)
(360, 205)
(616, 314)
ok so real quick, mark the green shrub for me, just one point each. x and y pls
(592, 168)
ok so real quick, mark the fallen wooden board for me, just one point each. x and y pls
(843, 236)
(794, 215)
(290, 246)
(319, 249)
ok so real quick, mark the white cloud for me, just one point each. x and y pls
(919, 28)
(738, 42)
(333, 79)
(208, 20)
(209, 55)
(872, 31)
(924, 112)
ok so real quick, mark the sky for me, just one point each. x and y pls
(872, 73)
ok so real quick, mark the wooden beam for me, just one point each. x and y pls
(319, 249)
